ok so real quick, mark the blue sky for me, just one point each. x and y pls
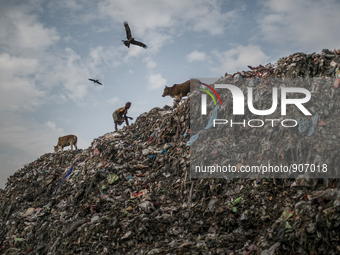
(49, 49)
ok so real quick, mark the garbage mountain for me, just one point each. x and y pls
(131, 191)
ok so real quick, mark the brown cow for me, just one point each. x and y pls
(180, 90)
(66, 141)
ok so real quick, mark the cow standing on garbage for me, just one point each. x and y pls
(180, 90)
(119, 115)
(68, 140)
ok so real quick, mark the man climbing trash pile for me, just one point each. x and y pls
(119, 115)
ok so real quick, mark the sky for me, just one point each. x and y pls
(49, 49)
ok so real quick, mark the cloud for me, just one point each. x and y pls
(157, 23)
(30, 70)
(156, 81)
(101, 57)
(51, 125)
(18, 90)
(303, 24)
(114, 101)
(202, 15)
(238, 58)
(195, 56)
(32, 81)
(68, 4)
(36, 70)
(150, 64)
(20, 30)
(132, 52)
(156, 39)
(68, 72)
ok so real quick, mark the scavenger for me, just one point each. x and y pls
(119, 115)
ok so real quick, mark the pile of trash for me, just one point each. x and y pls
(131, 191)
(296, 65)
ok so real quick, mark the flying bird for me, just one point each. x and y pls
(95, 81)
(130, 39)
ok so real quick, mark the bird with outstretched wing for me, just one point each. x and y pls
(95, 81)
(130, 39)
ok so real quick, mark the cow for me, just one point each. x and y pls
(66, 141)
(180, 90)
